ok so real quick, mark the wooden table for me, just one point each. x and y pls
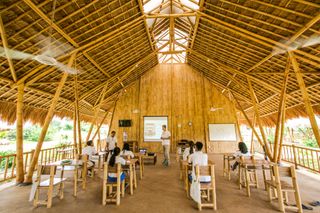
(75, 165)
(132, 174)
(140, 158)
(227, 158)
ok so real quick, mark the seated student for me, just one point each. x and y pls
(243, 151)
(188, 151)
(126, 151)
(89, 150)
(201, 159)
(114, 159)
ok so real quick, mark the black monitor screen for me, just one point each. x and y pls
(124, 123)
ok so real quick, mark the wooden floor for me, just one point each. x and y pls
(160, 192)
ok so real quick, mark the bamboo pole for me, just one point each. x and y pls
(76, 102)
(252, 135)
(47, 122)
(19, 144)
(98, 127)
(280, 113)
(5, 45)
(75, 130)
(251, 126)
(283, 120)
(257, 115)
(305, 96)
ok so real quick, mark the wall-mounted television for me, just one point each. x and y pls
(124, 123)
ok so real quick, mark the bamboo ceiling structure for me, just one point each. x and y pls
(240, 46)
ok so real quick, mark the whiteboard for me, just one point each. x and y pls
(152, 126)
(222, 132)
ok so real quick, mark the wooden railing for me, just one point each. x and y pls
(301, 156)
(8, 162)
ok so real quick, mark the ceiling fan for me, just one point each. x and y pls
(299, 43)
(213, 109)
(52, 49)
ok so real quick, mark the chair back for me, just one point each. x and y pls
(111, 169)
(204, 170)
(48, 170)
(83, 157)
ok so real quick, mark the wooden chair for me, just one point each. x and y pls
(282, 187)
(187, 171)
(83, 170)
(48, 184)
(107, 193)
(208, 189)
(248, 173)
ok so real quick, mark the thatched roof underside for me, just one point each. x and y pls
(117, 42)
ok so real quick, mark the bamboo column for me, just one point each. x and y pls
(98, 127)
(257, 116)
(76, 103)
(305, 96)
(280, 113)
(252, 127)
(283, 120)
(252, 135)
(90, 130)
(75, 130)
(47, 122)
(19, 144)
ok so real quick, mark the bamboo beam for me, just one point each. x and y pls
(98, 127)
(305, 97)
(5, 45)
(252, 134)
(48, 119)
(251, 126)
(95, 42)
(280, 113)
(95, 64)
(201, 3)
(290, 41)
(174, 15)
(252, 36)
(19, 143)
(46, 19)
(257, 115)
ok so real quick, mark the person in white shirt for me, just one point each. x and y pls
(126, 151)
(242, 152)
(188, 151)
(165, 137)
(111, 142)
(115, 159)
(201, 159)
(89, 150)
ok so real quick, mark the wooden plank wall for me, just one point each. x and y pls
(182, 94)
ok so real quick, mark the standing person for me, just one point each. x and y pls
(165, 137)
(111, 142)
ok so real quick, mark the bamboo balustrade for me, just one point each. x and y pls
(305, 157)
(46, 156)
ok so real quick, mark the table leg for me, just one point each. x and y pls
(141, 167)
(99, 163)
(134, 176)
(75, 177)
(131, 179)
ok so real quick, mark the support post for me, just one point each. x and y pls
(257, 116)
(251, 126)
(75, 130)
(76, 102)
(252, 135)
(283, 120)
(19, 144)
(280, 113)
(305, 96)
(47, 122)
